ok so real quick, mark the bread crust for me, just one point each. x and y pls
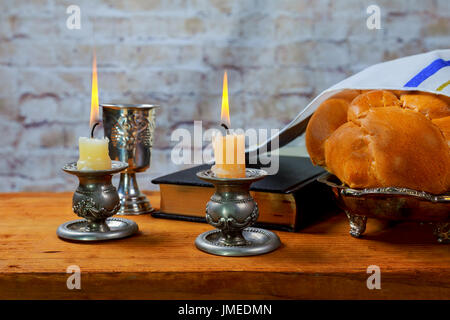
(444, 125)
(429, 105)
(348, 156)
(384, 142)
(330, 115)
(372, 99)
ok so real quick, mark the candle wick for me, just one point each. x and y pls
(226, 127)
(93, 128)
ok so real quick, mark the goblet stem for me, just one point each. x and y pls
(128, 186)
(132, 201)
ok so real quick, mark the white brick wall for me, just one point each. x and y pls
(279, 55)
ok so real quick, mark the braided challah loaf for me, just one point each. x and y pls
(383, 138)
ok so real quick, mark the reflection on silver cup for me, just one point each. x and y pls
(130, 128)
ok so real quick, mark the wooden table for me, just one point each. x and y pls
(321, 262)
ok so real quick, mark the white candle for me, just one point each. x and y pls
(94, 154)
(229, 154)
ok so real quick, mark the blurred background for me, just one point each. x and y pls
(279, 55)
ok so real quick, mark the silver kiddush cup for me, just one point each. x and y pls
(130, 128)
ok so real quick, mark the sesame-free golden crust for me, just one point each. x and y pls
(328, 117)
(385, 142)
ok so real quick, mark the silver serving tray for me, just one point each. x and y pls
(391, 203)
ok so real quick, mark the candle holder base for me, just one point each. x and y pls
(96, 200)
(232, 210)
(79, 230)
(258, 241)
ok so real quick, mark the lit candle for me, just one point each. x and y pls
(94, 153)
(229, 150)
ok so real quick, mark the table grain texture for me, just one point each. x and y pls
(161, 262)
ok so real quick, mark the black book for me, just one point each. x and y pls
(288, 200)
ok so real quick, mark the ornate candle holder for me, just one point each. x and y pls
(129, 128)
(232, 210)
(96, 200)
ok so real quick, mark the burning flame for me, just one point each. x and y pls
(225, 113)
(94, 96)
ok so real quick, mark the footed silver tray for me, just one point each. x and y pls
(391, 203)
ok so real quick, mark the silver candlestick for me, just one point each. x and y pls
(130, 128)
(96, 200)
(232, 210)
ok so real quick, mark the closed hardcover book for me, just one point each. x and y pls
(288, 200)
